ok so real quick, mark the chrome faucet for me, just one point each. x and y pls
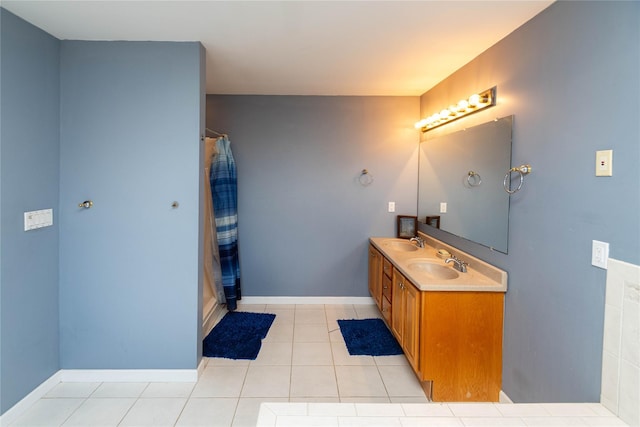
(419, 241)
(458, 264)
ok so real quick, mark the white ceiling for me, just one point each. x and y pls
(301, 47)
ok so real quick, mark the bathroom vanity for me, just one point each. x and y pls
(448, 322)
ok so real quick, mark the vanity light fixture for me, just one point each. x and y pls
(475, 103)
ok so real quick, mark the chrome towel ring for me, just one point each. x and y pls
(365, 178)
(473, 179)
(522, 170)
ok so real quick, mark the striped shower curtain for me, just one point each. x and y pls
(225, 199)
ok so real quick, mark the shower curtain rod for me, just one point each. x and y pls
(216, 133)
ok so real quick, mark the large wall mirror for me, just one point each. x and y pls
(465, 170)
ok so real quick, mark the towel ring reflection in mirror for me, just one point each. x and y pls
(473, 179)
(522, 171)
(365, 178)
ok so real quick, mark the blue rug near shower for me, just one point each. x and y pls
(368, 337)
(238, 335)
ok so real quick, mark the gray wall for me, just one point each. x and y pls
(304, 219)
(571, 77)
(29, 170)
(130, 126)
(120, 121)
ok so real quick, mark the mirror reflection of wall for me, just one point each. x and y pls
(465, 170)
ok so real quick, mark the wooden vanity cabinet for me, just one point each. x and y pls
(375, 275)
(452, 339)
(405, 317)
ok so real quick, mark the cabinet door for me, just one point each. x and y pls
(411, 328)
(375, 275)
(461, 345)
(397, 305)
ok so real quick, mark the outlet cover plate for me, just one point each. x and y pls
(599, 254)
(392, 207)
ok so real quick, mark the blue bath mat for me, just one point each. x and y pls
(238, 335)
(368, 337)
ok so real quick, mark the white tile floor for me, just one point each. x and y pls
(303, 376)
(303, 359)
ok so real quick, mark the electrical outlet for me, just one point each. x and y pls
(599, 254)
(392, 206)
(443, 207)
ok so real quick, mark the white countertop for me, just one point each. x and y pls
(480, 276)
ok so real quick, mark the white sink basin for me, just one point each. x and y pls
(433, 269)
(401, 245)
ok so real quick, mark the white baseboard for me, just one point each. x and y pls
(308, 300)
(503, 398)
(129, 375)
(19, 408)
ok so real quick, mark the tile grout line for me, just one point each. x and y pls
(333, 360)
(187, 400)
(84, 399)
(134, 404)
(235, 410)
(293, 339)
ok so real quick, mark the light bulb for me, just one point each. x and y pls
(444, 114)
(463, 105)
(474, 100)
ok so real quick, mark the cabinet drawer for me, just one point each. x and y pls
(386, 310)
(386, 287)
(386, 267)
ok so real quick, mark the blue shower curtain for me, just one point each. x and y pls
(225, 201)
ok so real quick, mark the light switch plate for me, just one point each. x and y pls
(392, 206)
(604, 163)
(443, 207)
